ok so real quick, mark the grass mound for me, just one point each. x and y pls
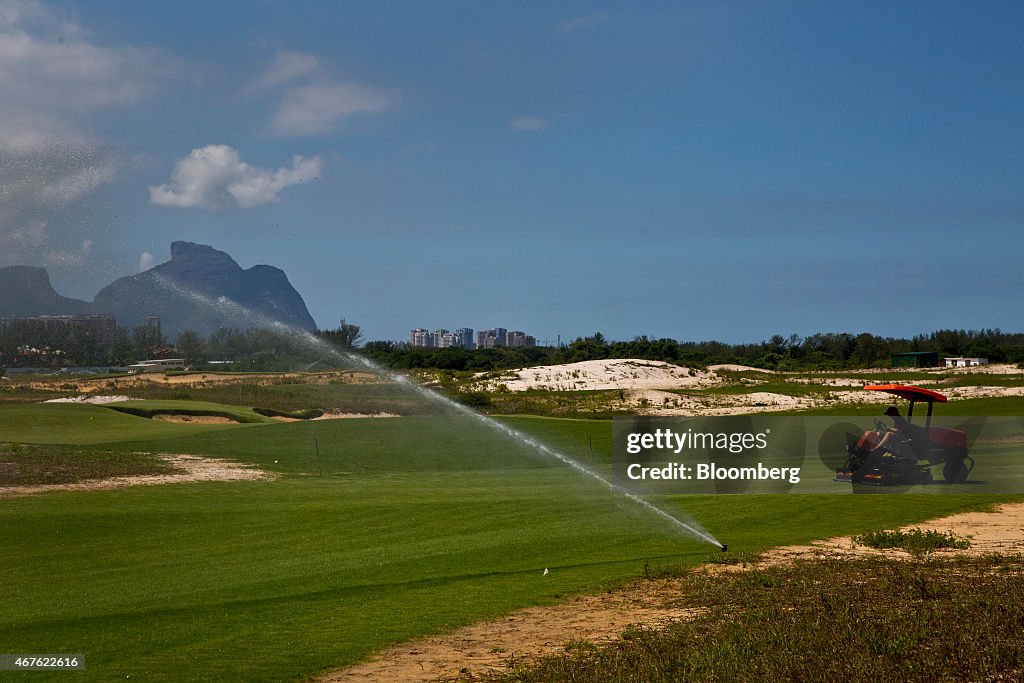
(85, 424)
(861, 620)
(914, 541)
(150, 409)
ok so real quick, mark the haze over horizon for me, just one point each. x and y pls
(710, 171)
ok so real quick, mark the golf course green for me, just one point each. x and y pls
(365, 533)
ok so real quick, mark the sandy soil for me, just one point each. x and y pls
(196, 419)
(991, 369)
(732, 367)
(191, 468)
(89, 399)
(1000, 531)
(529, 634)
(982, 392)
(648, 386)
(524, 635)
(336, 415)
(86, 385)
(667, 403)
(604, 374)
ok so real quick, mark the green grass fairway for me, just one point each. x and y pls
(402, 527)
(83, 424)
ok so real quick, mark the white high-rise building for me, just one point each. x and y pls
(465, 335)
(488, 339)
(520, 339)
(421, 338)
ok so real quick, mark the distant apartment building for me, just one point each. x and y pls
(488, 339)
(461, 338)
(520, 339)
(421, 339)
(465, 338)
(100, 326)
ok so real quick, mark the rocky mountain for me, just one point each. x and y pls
(200, 289)
(203, 289)
(26, 291)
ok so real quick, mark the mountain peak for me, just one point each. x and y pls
(26, 290)
(212, 274)
(180, 249)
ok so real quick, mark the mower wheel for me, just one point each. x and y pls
(909, 474)
(955, 471)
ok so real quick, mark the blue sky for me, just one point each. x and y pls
(690, 170)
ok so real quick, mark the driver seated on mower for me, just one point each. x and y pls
(901, 430)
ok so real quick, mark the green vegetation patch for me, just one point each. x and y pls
(848, 620)
(27, 465)
(914, 541)
(292, 395)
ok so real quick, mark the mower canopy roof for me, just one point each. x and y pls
(909, 393)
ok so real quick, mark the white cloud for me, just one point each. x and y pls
(317, 107)
(215, 176)
(286, 67)
(311, 101)
(54, 78)
(54, 70)
(527, 123)
(584, 22)
(146, 261)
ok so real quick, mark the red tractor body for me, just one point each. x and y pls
(908, 456)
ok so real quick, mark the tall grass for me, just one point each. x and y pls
(861, 620)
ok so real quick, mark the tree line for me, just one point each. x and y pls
(34, 345)
(824, 351)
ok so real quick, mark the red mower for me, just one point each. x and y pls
(906, 454)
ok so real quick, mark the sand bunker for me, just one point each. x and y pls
(335, 415)
(195, 419)
(529, 634)
(191, 468)
(89, 399)
(338, 415)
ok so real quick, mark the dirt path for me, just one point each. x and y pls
(192, 468)
(1001, 531)
(524, 635)
(532, 633)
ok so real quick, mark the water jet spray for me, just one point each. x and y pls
(225, 305)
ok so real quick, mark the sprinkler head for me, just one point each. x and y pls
(725, 548)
